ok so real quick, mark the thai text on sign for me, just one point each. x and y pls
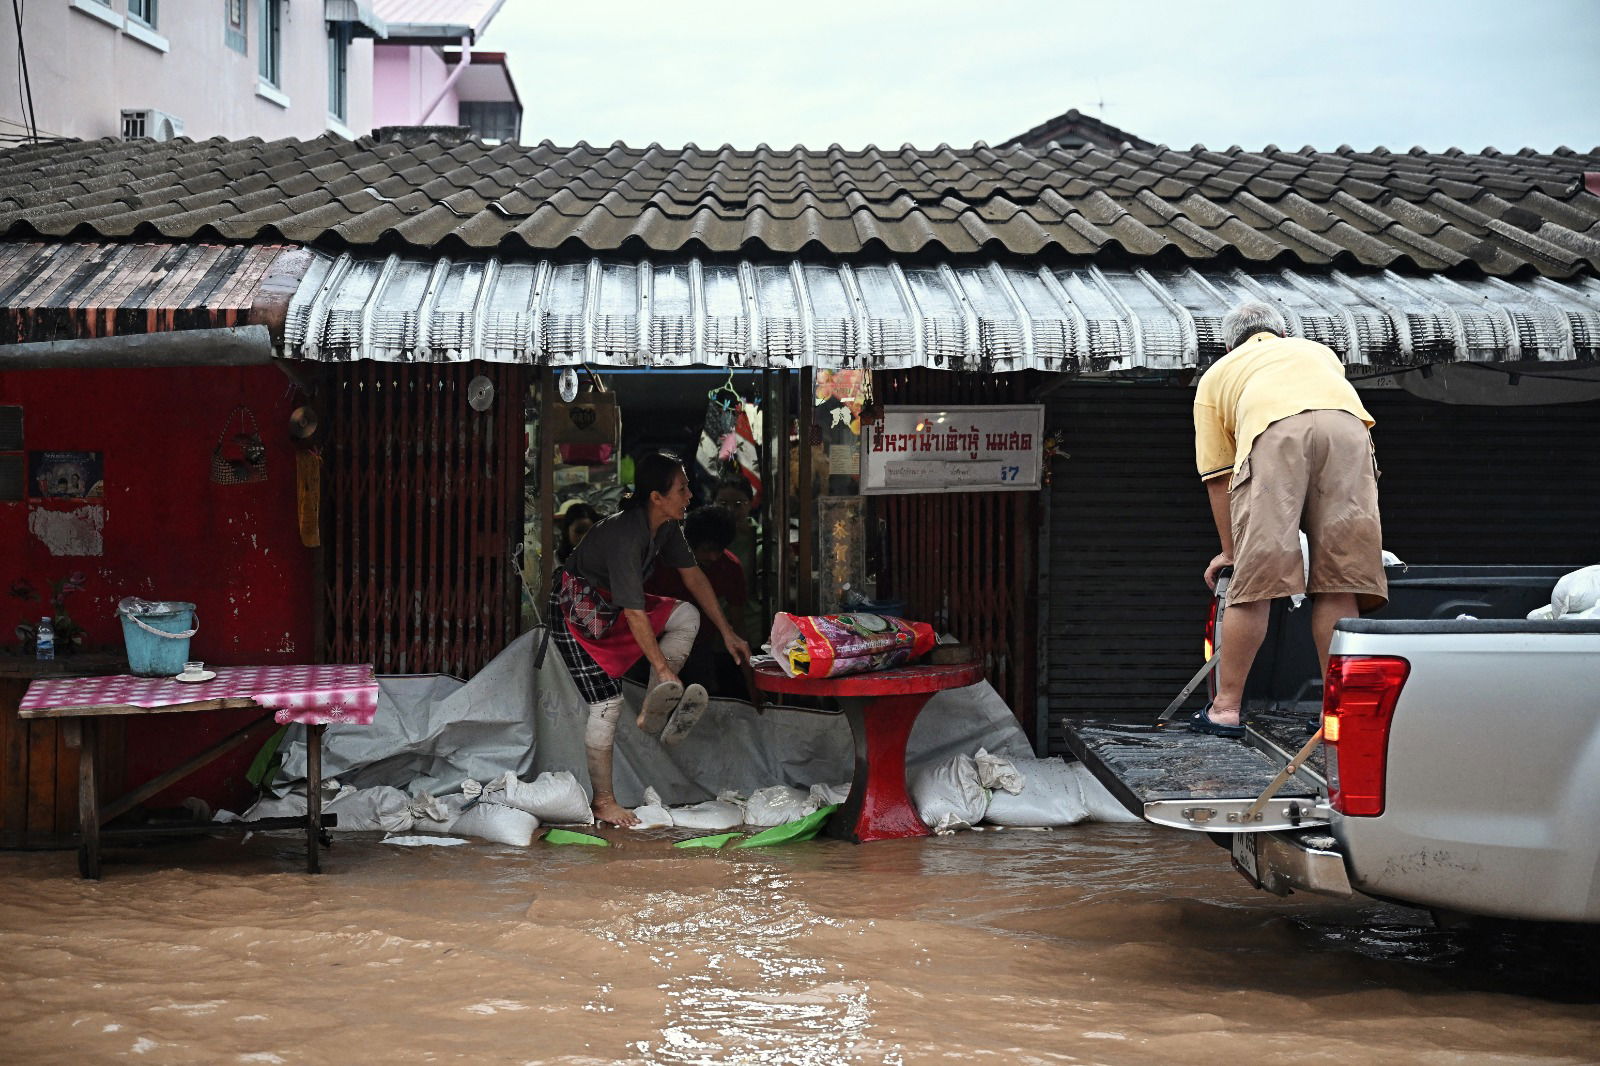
(917, 449)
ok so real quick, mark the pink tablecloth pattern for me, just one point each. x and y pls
(310, 695)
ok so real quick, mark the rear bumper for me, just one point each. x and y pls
(1296, 861)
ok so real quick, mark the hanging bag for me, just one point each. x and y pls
(251, 464)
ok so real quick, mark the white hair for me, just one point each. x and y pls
(1248, 319)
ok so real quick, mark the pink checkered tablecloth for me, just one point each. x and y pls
(310, 695)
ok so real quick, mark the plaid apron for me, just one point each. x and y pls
(584, 626)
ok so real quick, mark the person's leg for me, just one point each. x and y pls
(1326, 610)
(599, 739)
(677, 639)
(1244, 626)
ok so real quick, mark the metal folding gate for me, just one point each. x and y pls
(423, 507)
(966, 561)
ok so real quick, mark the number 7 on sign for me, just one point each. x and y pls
(1010, 473)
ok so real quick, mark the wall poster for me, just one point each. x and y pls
(66, 475)
(972, 449)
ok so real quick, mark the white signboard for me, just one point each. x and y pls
(976, 449)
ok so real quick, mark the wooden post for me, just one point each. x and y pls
(87, 730)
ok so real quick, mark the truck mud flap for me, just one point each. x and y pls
(1182, 780)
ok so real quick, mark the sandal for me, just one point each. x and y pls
(1200, 722)
(659, 703)
(687, 713)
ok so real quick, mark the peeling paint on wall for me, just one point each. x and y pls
(74, 532)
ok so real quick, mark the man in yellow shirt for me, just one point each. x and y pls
(1282, 444)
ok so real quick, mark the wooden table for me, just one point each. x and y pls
(314, 696)
(881, 708)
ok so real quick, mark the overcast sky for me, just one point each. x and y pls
(1400, 73)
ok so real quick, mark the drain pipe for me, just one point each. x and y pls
(449, 83)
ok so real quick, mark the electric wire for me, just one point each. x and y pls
(24, 83)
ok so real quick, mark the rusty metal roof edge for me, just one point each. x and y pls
(677, 311)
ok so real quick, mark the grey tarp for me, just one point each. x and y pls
(434, 732)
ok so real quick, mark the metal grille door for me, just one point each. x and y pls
(423, 508)
(965, 561)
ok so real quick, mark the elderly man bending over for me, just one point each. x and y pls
(1282, 445)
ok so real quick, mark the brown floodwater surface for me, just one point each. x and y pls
(1096, 944)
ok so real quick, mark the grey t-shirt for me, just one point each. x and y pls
(619, 553)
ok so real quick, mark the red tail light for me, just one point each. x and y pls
(1357, 707)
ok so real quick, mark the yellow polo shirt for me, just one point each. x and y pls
(1264, 379)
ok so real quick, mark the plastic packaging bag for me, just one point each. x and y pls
(836, 644)
(948, 795)
(775, 805)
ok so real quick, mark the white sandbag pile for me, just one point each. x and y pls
(711, 816)
(1577, 595)
(1055, 793)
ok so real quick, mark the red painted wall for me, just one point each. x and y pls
(169, 533)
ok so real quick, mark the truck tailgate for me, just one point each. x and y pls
(1172, 777)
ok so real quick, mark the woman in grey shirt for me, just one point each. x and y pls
(603, 622)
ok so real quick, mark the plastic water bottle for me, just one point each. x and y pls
(44, 640)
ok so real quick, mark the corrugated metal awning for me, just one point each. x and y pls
(788, 314)
(56, 292)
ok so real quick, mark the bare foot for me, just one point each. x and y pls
(606, 809)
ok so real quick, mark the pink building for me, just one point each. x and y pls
(426, 71)
(241, 68)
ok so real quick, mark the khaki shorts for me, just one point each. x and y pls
(1314, 471)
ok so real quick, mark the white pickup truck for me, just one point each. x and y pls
(1460, 765)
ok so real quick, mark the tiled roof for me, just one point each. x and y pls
(1491, 212)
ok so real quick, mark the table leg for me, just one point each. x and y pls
(88, 745)
(313, 798)
(879, 807)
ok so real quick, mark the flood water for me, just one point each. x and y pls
(1096, 944)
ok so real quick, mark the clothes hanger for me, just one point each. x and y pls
(726, 387)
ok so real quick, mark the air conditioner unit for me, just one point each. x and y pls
(148, 122)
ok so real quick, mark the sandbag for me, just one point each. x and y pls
(711, 816)
(948, 795)
(554, 797)
(836, 644)
(1097, 800)
(775, 805)
(436, 814)
(496, 822)
(366, 809)
(1577, 593)
(652, 813)
(997, 771)
(827, 795)
(1052, 795)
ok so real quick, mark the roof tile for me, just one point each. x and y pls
(1506, 213)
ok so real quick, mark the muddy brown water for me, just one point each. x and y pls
(1096, 944)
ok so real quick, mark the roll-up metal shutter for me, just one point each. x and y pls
(1129, 530)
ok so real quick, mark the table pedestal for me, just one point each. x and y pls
(879, 807)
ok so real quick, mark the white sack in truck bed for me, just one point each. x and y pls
(1577, 595)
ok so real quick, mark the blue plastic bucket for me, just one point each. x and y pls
(156, 635)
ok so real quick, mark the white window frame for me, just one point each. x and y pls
(149, 21)
(100, 9)
(269, 65)
(339, 38)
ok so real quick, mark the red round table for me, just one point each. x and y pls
(881, 708)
